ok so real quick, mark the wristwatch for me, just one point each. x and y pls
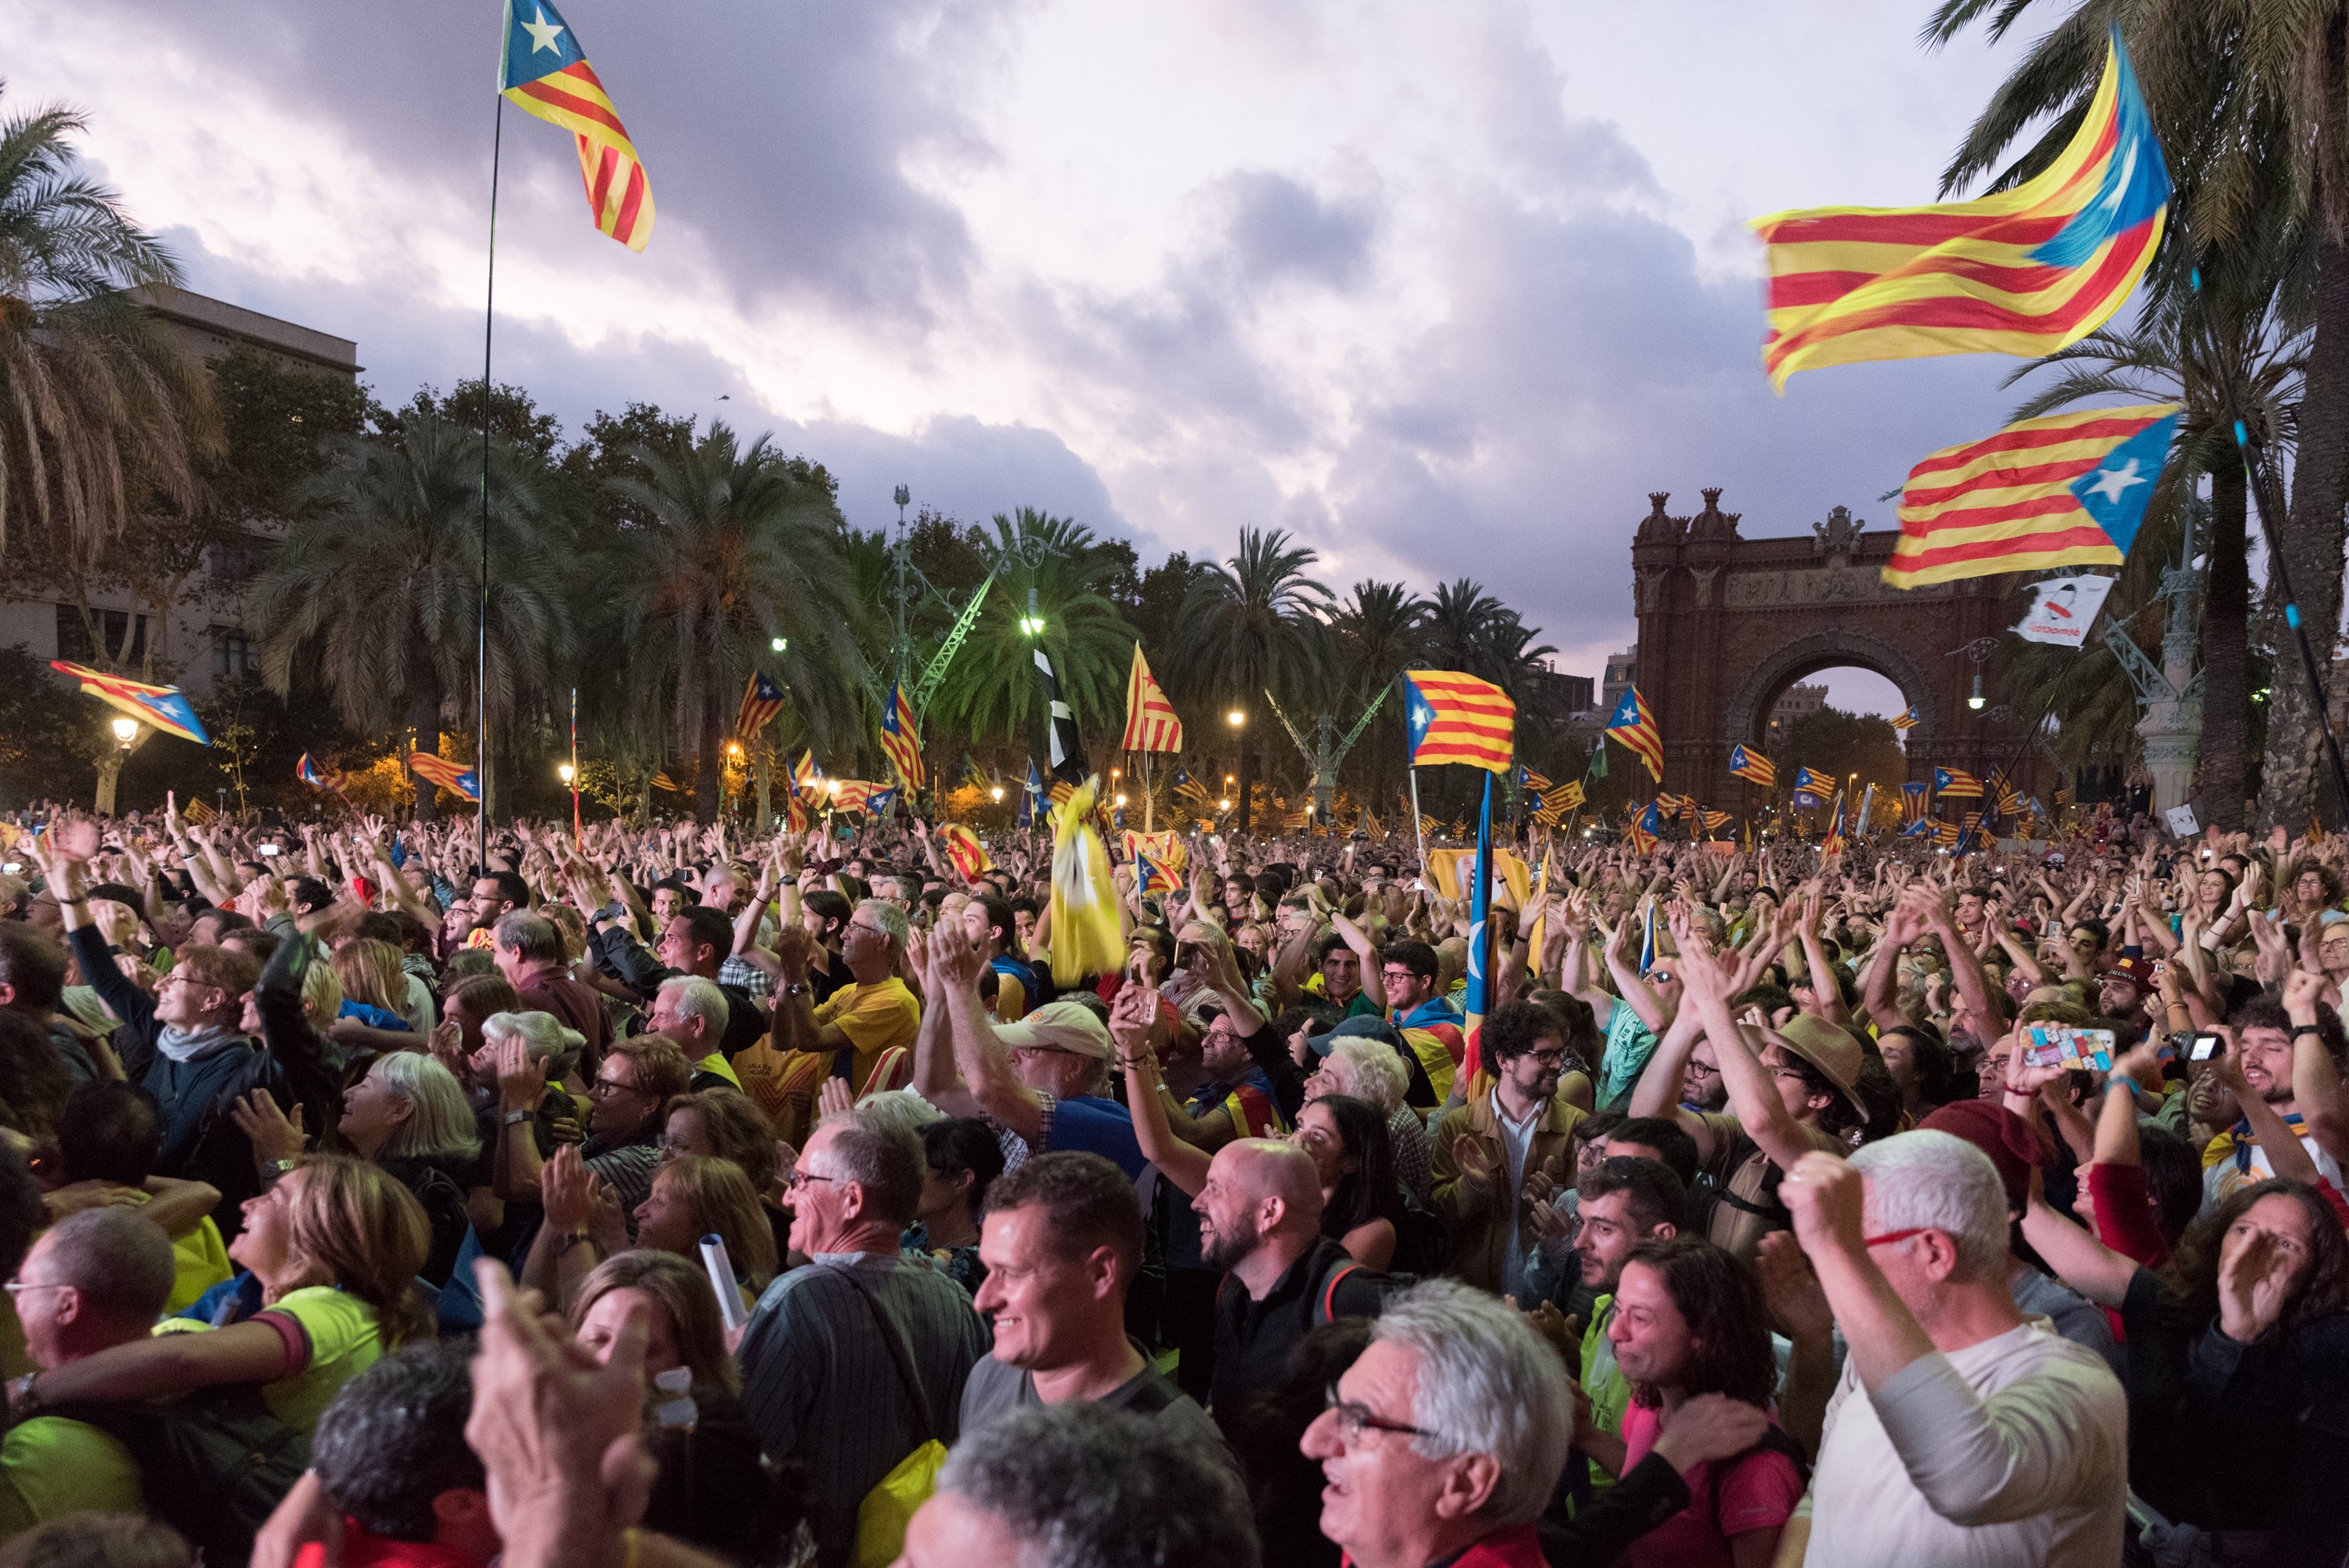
(2300, 1029)
(279, 1167)
(516, 1118)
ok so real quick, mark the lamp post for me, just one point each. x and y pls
(1237, 720)
(126, 730)
(569, 773)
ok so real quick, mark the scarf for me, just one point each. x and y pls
(2237, 1143)
(186, 1045)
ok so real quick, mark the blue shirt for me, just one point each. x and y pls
(1093, 1125)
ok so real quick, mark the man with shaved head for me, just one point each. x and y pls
(1260, 1221)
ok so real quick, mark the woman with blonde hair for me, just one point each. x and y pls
(335, 1246)
(692, 1197)
(372, 978)
(725, 1124)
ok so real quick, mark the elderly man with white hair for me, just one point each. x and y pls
(692, 1012)
(1962, 1432)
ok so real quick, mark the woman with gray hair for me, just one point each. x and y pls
(1369, 1069)
(410, 1116)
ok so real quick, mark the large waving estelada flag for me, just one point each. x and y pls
(1455, 718)
(2069, 489)
(1150, 721)
(1633, 725)
(900, 739)
(1956, 784)
(761, 700)
(2023, 272)
(546, 74)
(164, 706)
(437, 770)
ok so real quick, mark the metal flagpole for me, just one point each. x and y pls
(1417, 826)
(578, 838)
(481, 627)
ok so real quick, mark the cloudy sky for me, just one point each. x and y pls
(1444, 290)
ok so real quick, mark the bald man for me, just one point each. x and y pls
(1260, 1221)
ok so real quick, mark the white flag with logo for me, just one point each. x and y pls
(2063, 609)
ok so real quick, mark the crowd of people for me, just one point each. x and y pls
(671, 1196)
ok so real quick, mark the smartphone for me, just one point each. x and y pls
(269, 852)
(2062, 1046)
(2202, 1048)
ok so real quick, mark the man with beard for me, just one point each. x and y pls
(1260, 1220)
(1505, 1151)
(2265, 1033)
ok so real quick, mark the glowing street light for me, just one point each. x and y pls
(778, 644)
(1121, 801)
(1236, 719)
(995, 792)
(1223, 805)
(126, 730)
(734, 748)
(567, 772)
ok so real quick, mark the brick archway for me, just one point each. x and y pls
(1726, 622)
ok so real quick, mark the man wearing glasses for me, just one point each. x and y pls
(1502, 1151)
(845, 1037)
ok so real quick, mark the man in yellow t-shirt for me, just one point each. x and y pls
(95, 1280)
(845, 1037)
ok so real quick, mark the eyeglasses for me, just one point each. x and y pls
(1548, 1059)
(676, 1145)
(1660, 976)
(798, 1178)
(1354, 1418)
(1701, 1069)
(604, 1086)
(1889, 1237)
(16, 1287)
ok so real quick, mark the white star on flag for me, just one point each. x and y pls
(2111, 482)
(543, 34)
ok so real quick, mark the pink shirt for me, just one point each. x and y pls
(1757, 1490)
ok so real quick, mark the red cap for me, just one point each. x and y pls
(1999, 1133)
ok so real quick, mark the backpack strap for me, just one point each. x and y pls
(900, 1356)
(1326, 1309)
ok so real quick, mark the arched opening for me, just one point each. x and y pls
(1837, 719)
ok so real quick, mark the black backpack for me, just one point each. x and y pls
(214, 1465)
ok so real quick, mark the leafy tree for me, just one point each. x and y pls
(1842, 744)
(741, 545)
(45, 729)
(514, 419)
(377, 586)
(99, 407)
(1253, 622)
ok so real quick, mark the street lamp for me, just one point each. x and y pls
(1975, 701)
(567, 772)
(1223, 805)
(126, 730)
(778, 644)
(1236, 719)
(995, 792)
(1121, 801)
(733, 749)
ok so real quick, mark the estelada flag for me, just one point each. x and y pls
(545, 74)
(437, 770)
(807, 779)
(1455, 718)
(899, 737)
(1956, 784)
(1750, 765)
(1150, 721)
(1634, 727)
(761, 700)
(2022, 271)
(970, 856)
(2068, 489)
(165, 708)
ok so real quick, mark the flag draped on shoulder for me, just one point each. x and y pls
(1634, 726)
(900, 739)
(761, 700)
(1750, 765)
(438, 769)
(1150, 721)
(165, 708)
(1455, 718)
(2021, 271)
(545, 73)
(2069, 489)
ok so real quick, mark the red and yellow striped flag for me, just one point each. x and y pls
(2022, 271)
(545, 74)
(1455, 718)
(1150, 721)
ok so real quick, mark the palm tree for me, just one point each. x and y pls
(99, 407)
(737, 550)
(377, 586)
(1053, 569)
(2170, 358)
(1381, 631)
(1254, 621)
(2247, 97)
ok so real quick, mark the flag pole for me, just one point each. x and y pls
(482, 622)
(578, 840)
(1417, 826)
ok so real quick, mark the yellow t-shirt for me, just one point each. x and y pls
(50, 1467)
(202, 1259)
(344, 1341)
(875, 1017)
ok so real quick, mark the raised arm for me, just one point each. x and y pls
(1135, 1024)
(955, 966)
(1752, 1096)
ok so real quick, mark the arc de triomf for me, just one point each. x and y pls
(1727, 624)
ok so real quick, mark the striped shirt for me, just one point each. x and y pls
(820, 1385)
